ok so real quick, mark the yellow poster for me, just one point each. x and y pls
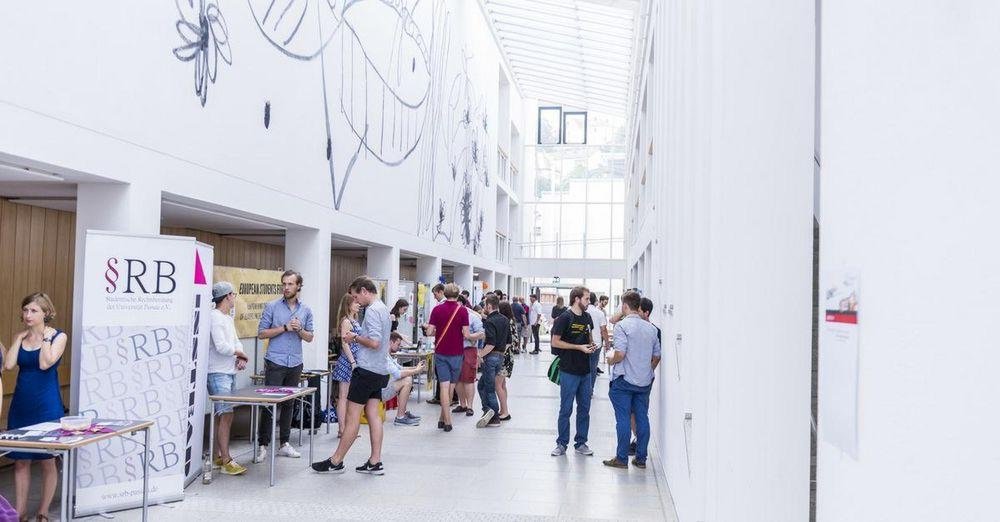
(254, 289)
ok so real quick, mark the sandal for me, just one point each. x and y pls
(42, 518)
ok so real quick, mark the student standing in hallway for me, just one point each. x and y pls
(449, 323)
(497, 330)
(225, 358)
(599, 334)
(286, 322)
(572, 341)
(535, 319)
(367, 381)
(36, 353)
(635, 356)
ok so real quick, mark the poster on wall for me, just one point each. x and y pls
(254, 289)
(135, 363)
(201, 327)
(838, 355)
(407, 290)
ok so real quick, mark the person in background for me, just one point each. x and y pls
(571, 339)
(450, 325)
(526, 330)
(497, 332)
(635, 357)
(470, 362)
(36, 353)
(225, 358)
(535, 320)
(398, 310)
(367, 381)
(438, 292)
(347, 320)
(286, 322)
(508, 361)
(599, 334)
(645, 309)
(401, 384)
(519, 322)
(603, 304)
(559, 308)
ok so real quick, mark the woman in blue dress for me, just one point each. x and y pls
(347, 319)
(36, 353)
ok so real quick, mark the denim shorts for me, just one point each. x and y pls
(221, 384)
(448, 367)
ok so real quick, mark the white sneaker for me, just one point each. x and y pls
(559, 451)
(583, 449)
(261, 455)
(286, 450)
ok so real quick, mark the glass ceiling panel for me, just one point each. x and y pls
(577, 52)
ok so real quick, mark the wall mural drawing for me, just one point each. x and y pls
(390, 80)
(206, 40)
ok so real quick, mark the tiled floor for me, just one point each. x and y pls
(469, 474)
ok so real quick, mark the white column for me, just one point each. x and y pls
(107, 206)
(383, 263)
(307, 251)
(428, 270)
(463, 276)
(502, 282)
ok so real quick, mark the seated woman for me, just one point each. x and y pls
(36, 353)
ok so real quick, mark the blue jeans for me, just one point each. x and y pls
(487, 382)
(595, 358)
(627, 400)
(579, 387)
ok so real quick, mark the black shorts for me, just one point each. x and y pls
(366, 385)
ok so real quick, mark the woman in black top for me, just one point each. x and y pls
(508, 361)
(559, 308)
(398, 310)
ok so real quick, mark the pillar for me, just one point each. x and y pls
(463, 276)
(428, 270)
(307, 251)
(117, 207)
(383, 263)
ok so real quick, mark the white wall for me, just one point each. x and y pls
(726, 241)
(120, 104)
(908, 183)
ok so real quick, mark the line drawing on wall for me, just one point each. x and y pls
(385, 81)
(206, 40)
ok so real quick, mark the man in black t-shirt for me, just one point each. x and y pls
(571, 337)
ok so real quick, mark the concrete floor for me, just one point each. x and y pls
(469, 474)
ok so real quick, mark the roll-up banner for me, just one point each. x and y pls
(135, 363)
(201, 328)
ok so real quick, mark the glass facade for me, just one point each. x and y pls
(574, 202)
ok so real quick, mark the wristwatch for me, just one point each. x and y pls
(285, 326)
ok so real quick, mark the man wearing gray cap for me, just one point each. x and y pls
(225, 357)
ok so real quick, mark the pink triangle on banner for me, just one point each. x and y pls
(199, 272)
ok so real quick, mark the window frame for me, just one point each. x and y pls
(562, 125)
(559, 133)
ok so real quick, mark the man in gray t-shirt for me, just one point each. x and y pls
(367, 380)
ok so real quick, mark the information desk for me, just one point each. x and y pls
(413, 356)
(258, 379)
(258, 397)
(46, 438)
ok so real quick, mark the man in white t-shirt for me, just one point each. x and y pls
(535, 319)
(225, 357)
(599, 334)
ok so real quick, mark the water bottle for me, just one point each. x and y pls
(206, 470)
